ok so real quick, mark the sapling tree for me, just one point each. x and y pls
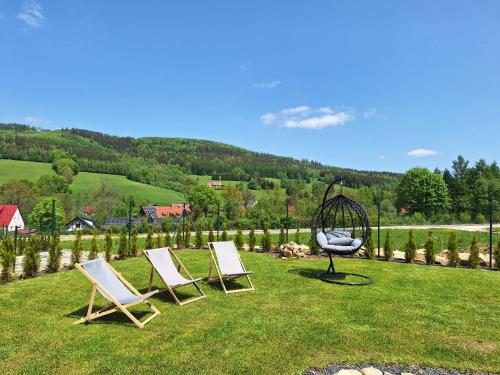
(178, 237)
(224, 233)
(94, 249)
(474, 259)
(122, 244)
(238, 240)
(388, 250)
(410, 248)
(370, 247)
(31, 262)
(76, 253)
(187, 237)
(297, 239)
(149, 237)
(453, 257)
(55, 251)
(266, 241)
(281, 238)
(134, 242)
(313, 245)
(430, 252)
(8, 259)
(198, 241)
(108, 245)
(251, 240)
(168, 237)
(211, 237)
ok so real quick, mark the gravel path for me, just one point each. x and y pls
(374, 369)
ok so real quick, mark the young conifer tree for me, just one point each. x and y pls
(108, 245)
(8, 259)
(168, 237)
(453, 257)
(211, 237)
(55, 252)
(179, 241)
(251, 240)
(496, 256)
(297, 238)
(122, 244)
(388, 250)
(313, 245)
(187, 237)
(94, 249)
(134, 242)
(224, 233)
(149, 237)
(370, 247)
(474, 259)
(282, 238)
(238, 240)
(430, 254)
(199, 236)
(76, 253)
(410, 248)
(31, 262)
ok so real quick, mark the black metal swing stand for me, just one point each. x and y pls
(330, 276)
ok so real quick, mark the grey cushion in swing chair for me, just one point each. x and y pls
(346, 244)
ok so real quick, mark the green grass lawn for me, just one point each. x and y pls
(431, 316)
(85, 182)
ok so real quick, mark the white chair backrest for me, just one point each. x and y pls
(165, 266)
(228, 258)
(101, 272)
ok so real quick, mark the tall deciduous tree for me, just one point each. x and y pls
(41, 216)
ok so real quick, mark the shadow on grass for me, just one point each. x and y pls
(116, 318)
(230, 285)
(310, 273)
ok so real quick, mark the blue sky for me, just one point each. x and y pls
(383, 85)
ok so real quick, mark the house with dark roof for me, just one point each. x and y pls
(118, 222)
(10, 217)
(218, 185)
(80, 223)
(154, 214)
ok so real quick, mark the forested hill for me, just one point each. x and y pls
(149, 159)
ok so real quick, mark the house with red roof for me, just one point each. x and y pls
(10, 217)
(154, 214)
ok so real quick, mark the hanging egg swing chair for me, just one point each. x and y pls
(340, 227)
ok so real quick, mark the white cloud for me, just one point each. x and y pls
(421, 152)
(381, 157)
(37, 121)
(267, 85)
(306, 117)
(370, 113)
(31, 14)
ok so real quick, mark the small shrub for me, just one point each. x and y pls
(94, 249)
(238, 240)
(55, 252)
(134, 242)
(430, 255)
(224, 233)
(108, 245)
(187, 237)
(496, 255)
(266, 241)
(199, 237)
(453, 258)
(122, 244)
(370, 247)
(178, 237)
(282, 237)
(251, 240)
(8, 258)
(149, 237)
(410, 248)
(297, 239)
(474, 259)
(158, 240)
(31, 262)
(388, 250)
(168, 238)
(211, 237)
(76, 253)
(313, 245)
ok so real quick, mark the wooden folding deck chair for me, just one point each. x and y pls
(228, 264)
(162, 262)
(112, 286)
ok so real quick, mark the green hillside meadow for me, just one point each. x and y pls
(85, 182)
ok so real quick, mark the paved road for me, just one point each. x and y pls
(464, 227)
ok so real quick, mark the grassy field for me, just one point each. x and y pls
(28, 170)
(85, 182)
(430, 316)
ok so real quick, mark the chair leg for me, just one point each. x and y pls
(152, 273)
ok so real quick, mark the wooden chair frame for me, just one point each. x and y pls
(221, 278)
(109, 309)
(171, 288)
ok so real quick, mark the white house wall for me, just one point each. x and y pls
(17, 220)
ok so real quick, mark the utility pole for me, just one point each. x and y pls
(53, 217)
(491, 232)
(378, 229)
(286, 220)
